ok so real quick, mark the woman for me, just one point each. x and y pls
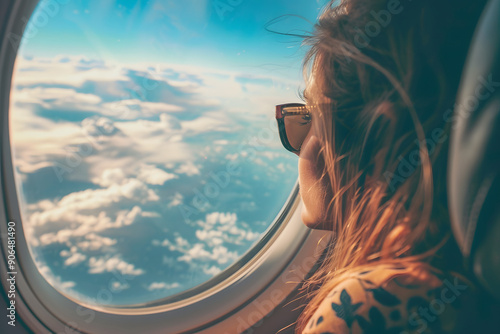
(382, 77)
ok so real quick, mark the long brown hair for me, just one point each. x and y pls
(384, 77)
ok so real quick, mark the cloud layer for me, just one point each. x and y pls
(108, 155)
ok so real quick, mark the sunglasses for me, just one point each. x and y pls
(294, 123)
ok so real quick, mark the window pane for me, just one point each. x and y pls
(146, 156)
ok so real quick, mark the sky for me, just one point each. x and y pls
(146, 155)
(223, 34)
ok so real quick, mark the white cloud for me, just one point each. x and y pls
(221, 227)
(88, 224)
(152, 175)
(98, 126)
(188, 168)
(54, 280)
(95, 242)
(118, 286)
(110, 176)
(226, 219)
(176, 200)
(74, 259)
(217, 229)
(198, 252)
(146, 173)
(208, 122)
(66, 285)
(208, 234)
(115, 263)
(134, 109)
(220, 254)
(212, 271)
(119, 138)
(162, 286)
(66, 99)
(88, 207)
(71, 73)
(180, 245)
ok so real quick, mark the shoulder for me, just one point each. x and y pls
(389, 300)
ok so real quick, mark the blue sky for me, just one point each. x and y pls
(126, 118)
(222, 34)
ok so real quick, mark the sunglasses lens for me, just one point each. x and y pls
(297, 127)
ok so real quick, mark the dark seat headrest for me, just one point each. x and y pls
(474, 162)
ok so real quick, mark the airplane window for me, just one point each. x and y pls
(144, 145)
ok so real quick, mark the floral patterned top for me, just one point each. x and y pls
(393, 300)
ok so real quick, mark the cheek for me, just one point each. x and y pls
(315, 189)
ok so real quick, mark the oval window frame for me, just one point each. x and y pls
(287, 255)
